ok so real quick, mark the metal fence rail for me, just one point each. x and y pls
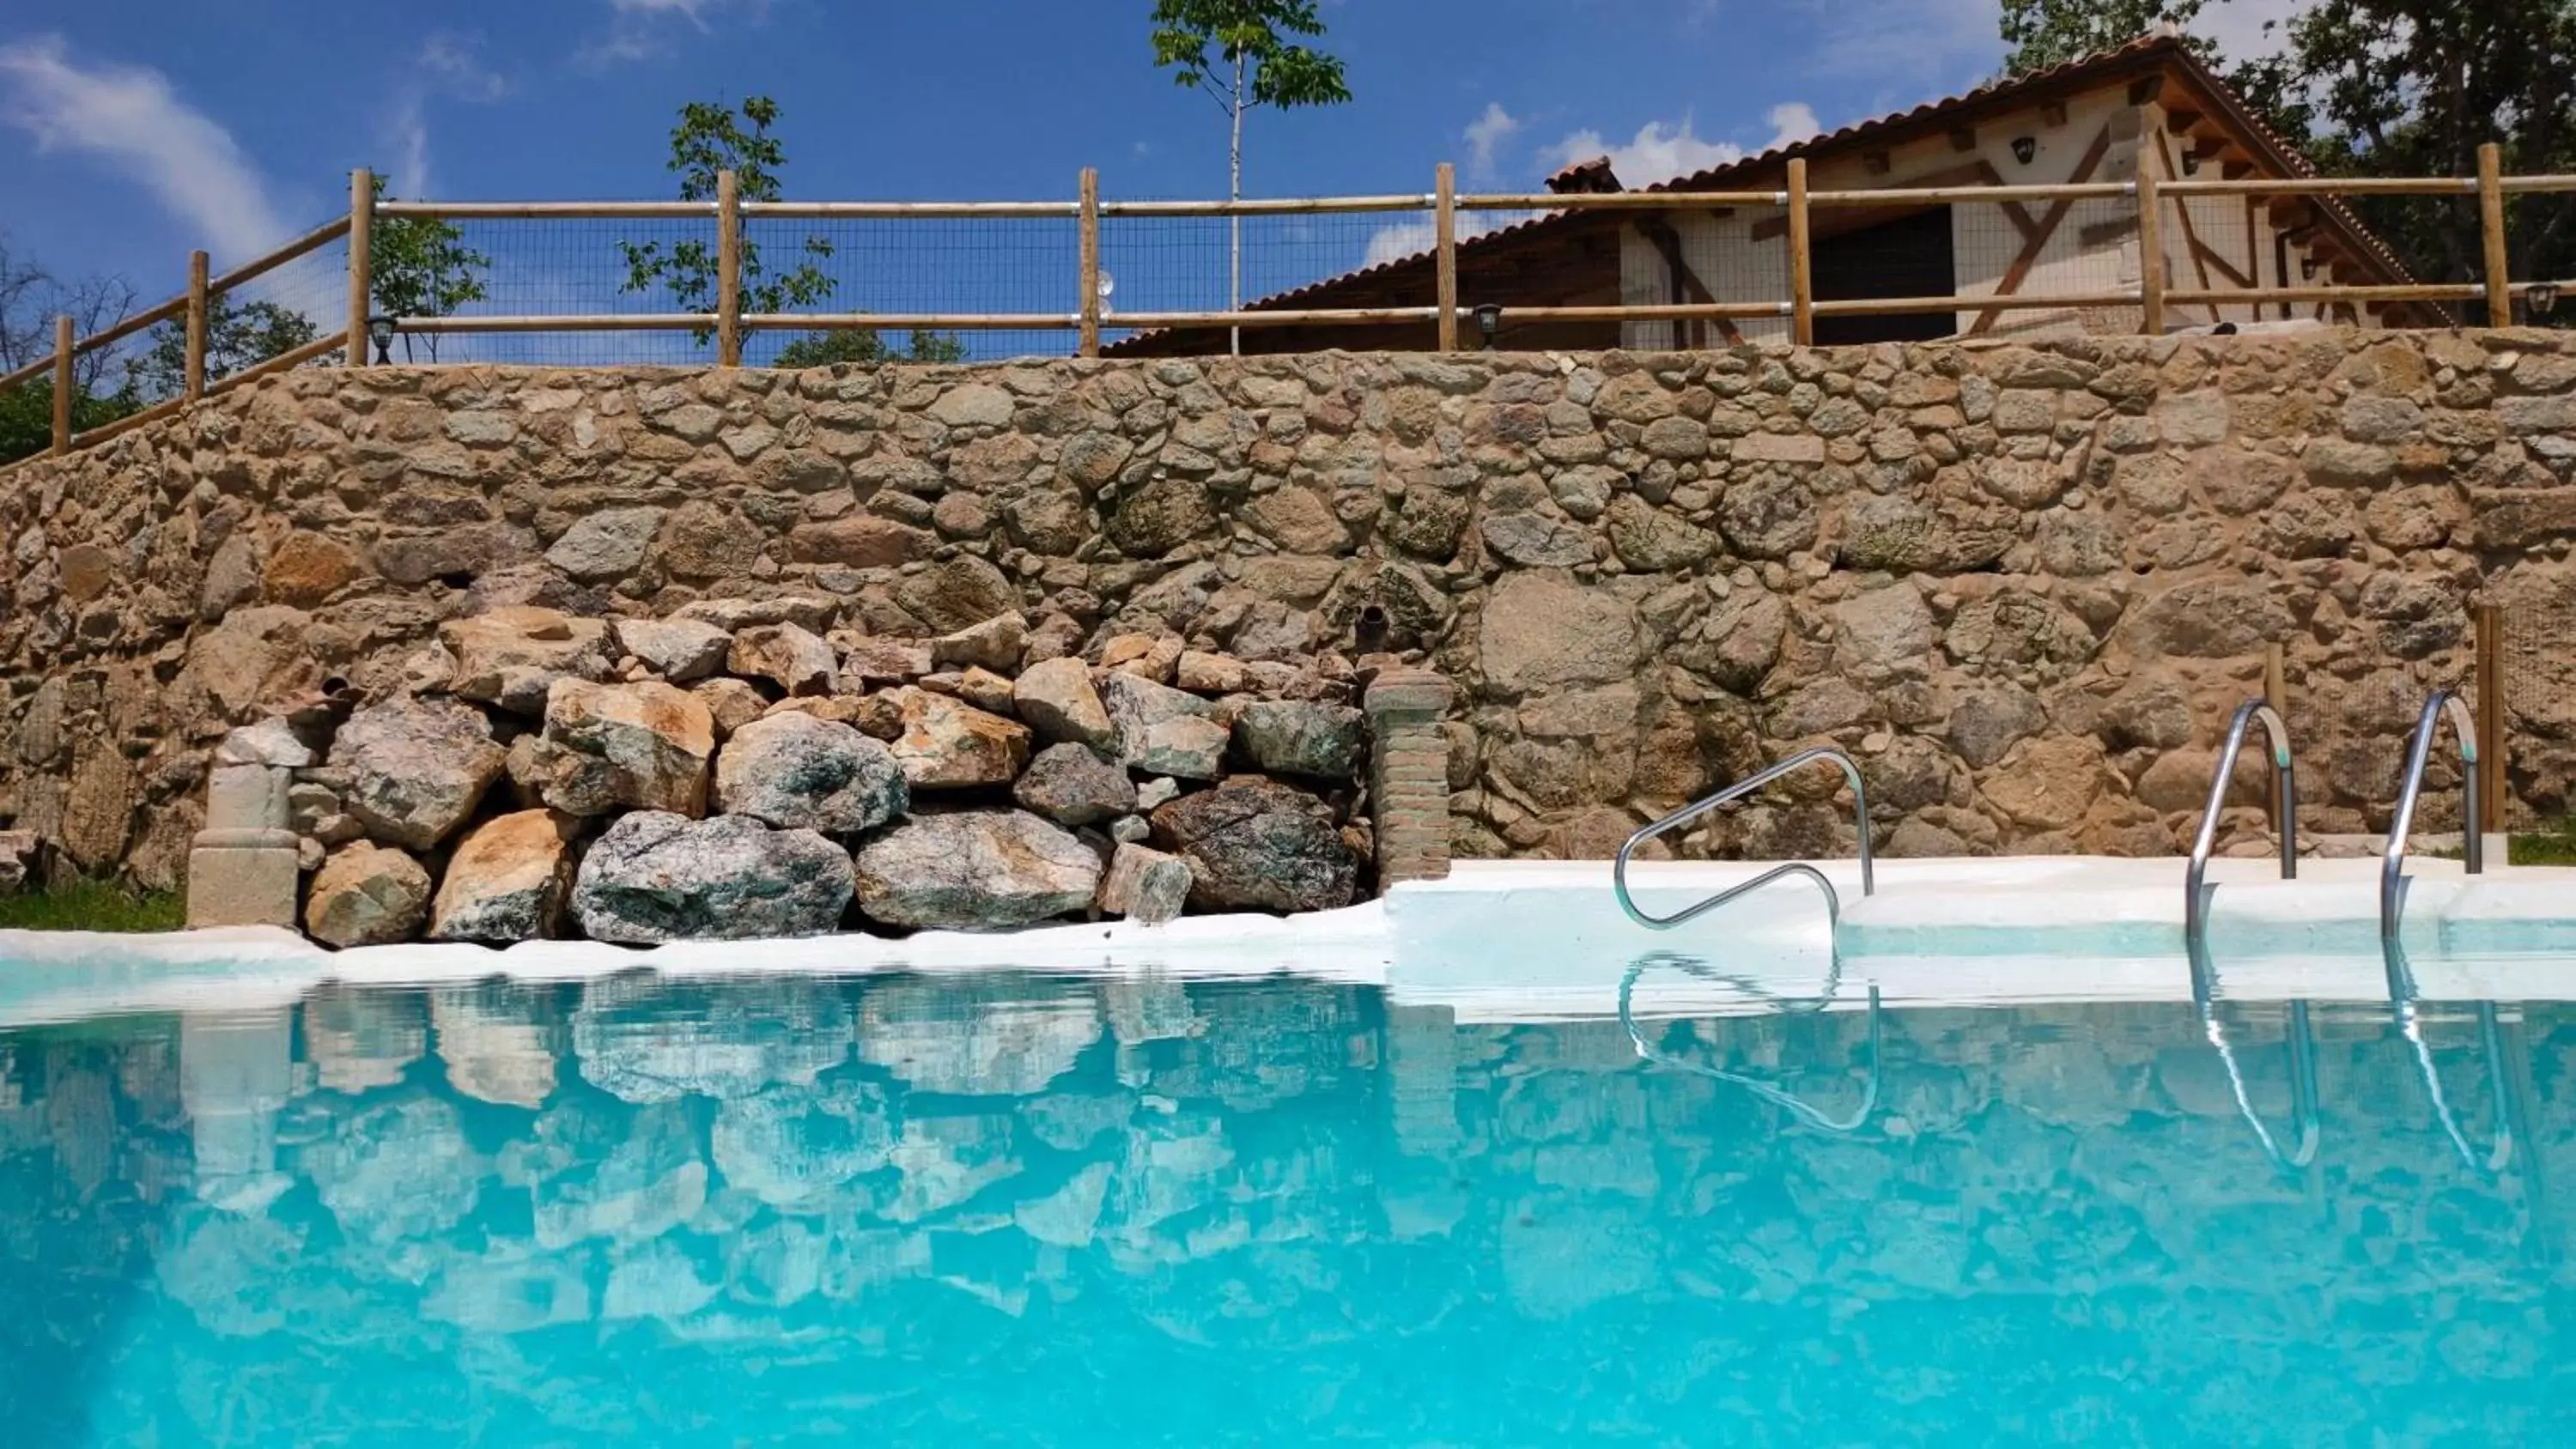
(953, 279)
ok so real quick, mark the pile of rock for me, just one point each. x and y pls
(731, 772)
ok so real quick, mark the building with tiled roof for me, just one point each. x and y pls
(2150, 104)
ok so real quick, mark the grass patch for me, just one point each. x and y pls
(93, 905)
(2555, 845)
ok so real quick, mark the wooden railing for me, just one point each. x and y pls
(729, 323)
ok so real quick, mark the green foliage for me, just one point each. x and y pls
(93, 905)
(2049, 32)
(711, 139)
(420, 267)
(2555, 845)
(1207, 43)
(826, 349)
(237, 336)
(27, 415)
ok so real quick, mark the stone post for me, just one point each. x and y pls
(242, 868)
(1409, 774)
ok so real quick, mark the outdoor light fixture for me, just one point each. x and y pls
(2307, 268)
(1489, 320)
(380, 331)
(2190, 164)
(2542, 298)
(2024, 148)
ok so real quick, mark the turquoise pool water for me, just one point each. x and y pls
(1027, 1211)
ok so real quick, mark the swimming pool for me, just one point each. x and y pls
(1068, 1209)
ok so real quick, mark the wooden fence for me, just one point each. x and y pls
(729, 322)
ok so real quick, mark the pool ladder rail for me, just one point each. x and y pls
(2403, 995)
(1741, 788)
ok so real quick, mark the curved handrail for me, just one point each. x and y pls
(2301, 1045)
(1810, 1115)
(2490, 1039)
(1746, 786)
(2195, 917)
(2392, 868)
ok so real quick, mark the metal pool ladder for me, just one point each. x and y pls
(2204, 985)
(2402, 992)
(1746, 786)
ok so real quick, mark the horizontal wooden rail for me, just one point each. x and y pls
(569, 322)
(312, 241)
(171, 310)
(28, 373)
(1881, 306)
(1620, 200)
(1658, 312)
(1973, 195)
(319, 347)
(2408, 292)
(910, 321)
(1309, 317)
(2327, 186)
(130, 422)
(2539, 183)
(908, 210)
(1277, 206)
(547, 210)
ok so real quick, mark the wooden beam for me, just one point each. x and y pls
(1445, 242)
(362, 213)
(65, 344)
(192, 373)
(2180, 121)
(2499, 274)
(1677, 267)
(2492, 705)
(2032, 245)
(728, 270)
(1877, 163)
(2146, 88)
(1089, 190)
(1963, 138)
(1802, 286)
(2151, 252)
(2053, 114)
(1959, 176)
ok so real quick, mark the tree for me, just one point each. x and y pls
(1238, 53)
(2043, 33)
(238, 336)
(708, 140)
(30, 299)
(419, 266)
(824, 349)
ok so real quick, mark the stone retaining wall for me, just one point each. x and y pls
(2025, 583)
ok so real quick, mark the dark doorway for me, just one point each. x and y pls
(1907, 257)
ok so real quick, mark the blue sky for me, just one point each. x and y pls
(132, 130)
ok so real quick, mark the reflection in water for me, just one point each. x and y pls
(957, 1210)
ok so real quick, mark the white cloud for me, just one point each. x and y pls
(1793, 121)
(451, 65)
(639, 29)
(130, 118)
(457, 63)
(1658, 152)
(1402, 239)
(1908, 45)
(1485, 134)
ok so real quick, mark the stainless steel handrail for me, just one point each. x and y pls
(2490, 1041)
(2285, 799)
(1746, 786)
(1810, 1115)
(2392, 868)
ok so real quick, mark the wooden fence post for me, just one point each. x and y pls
(2491, 717)
(2151, 253)
(1090, 262)
(1802, 286)
(2499, 266)
(1444, 229)
(362, 216)
(192, 380)
(728, 271)
(2276, 693)
(63, 383)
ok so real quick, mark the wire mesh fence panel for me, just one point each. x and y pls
(2249, 243)
(977, 266)
(547, 267)
(294, 303)
(2538, 671)
(1737, 254)
(1188, 264)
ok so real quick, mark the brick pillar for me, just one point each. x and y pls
(1409, 774)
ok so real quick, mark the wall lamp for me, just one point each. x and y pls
(380, 331)
(1489, 320)
(2025, 148)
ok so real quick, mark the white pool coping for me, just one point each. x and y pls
(1514, 940)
